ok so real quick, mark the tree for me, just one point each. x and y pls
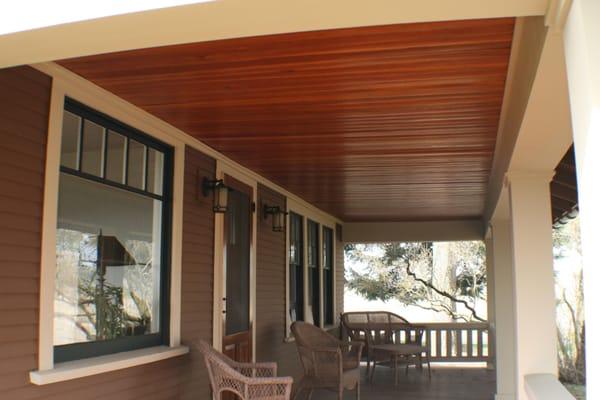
(569, 305)
(407, 272)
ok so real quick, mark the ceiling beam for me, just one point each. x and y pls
(426, 231)
(541, 133)
(238, 18)
(563, 192)
(565, 179)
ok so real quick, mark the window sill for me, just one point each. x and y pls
(98, 365)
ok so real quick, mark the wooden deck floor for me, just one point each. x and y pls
(447, 383)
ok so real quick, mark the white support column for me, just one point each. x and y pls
(491, 297)
(533, 274)
(582, 52)
(504, 310)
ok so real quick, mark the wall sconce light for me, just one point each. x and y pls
(278, 217)
(220, 193)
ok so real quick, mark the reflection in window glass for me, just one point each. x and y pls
(155, 171)
(70, 140)
(92, 149)
(108, 263)
(115, 157)
(328, 276)
(314, 288)
(296, 271)
(136, 171)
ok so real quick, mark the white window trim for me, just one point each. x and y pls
(323, 221)
(97, 365)
(48, 371)
(66, 82)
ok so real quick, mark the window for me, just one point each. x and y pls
(113, 234)
(296, 272)
(328, 277)
(314, 287)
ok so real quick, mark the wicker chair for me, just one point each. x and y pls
(247, 381)
(328, 362)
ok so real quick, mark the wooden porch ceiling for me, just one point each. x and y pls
(387, 123)
(563, 189)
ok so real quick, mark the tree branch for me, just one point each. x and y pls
(443, 293)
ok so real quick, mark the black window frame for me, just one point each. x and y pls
(313, 266)
(328, 268)
(77, 351)
(296, 269)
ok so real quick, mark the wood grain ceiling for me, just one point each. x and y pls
(386, 123)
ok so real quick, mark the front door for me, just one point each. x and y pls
(237, 324)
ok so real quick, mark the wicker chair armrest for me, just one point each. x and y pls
(357, 347)
(331, 349)
(275, 380)
(327, 362)
(269, 388)
(353, 350)
(258, 370)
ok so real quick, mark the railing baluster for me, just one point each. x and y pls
(428, 340)
(480, 342)
(469, 343)
(449, 351)
(438, 343)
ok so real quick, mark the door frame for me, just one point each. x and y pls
(223, 169)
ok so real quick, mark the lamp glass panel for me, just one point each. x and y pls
(221, 197)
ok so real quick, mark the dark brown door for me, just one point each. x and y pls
(237, 324)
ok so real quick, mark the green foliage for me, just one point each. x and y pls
(405, 271)
(102, 304)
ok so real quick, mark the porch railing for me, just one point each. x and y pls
(448, 341)
(459, 342)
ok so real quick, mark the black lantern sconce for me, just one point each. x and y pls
(220, 193)
(277, 215)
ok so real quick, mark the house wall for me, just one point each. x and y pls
(24, 108)
(270, 291)
(197, 271)
(24, 111)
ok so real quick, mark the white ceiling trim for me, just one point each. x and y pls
(224, 19)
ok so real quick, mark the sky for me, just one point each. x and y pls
(22, 15)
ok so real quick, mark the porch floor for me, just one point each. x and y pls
(448, 382)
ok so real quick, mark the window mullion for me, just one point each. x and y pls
(104, 153)
(80, 143)
(127, 160)
(145, 172)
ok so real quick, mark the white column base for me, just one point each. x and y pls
(505, 396)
